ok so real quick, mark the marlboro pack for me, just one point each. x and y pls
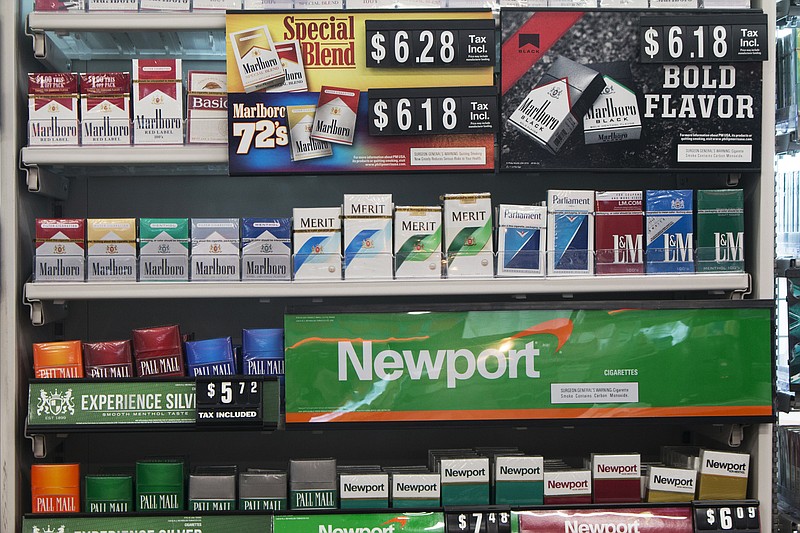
(266, 248)
(294, 72)
(335, 119)
(368, 236)
(418, 242)
(157, 101)
(164, 249)
(258, 62)
(52, 109)
(207, 107)
(60, 248)
(521, 238)
(619, 232)
(468, 235)
(58, 5)
(165, 5)
(301, 121)
(215, 249)
(112, 5)
(614, 116)
(105, 108)
(319, 4)
(268, 4)
(111, 249)
(570, 235)
(317, 247)
(670, 232)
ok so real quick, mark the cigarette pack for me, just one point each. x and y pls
(60, 248)
(720, 230)
(56, 488)
(159, 485)
(723, 475)
(217, 5)
(570, 236)
(312, 484)
(571, 3)
(418, 242)
(521, 238)
(465, 481)
(105, 108)
(52, 109)
(294, 72)
(207, 107)
(616, 478)
(59, 5)
(57, 360)
(111, 249)
(364, 491)
(416, 490)
(213, 489)
(158, 352)
(674, 4)
(335, 118)
(301, 121)
(258, 62)
(262, 490)
(519, 480)
(319, 4)
(670, 232)
(614, 116)
(619, 232)
(269, 4)
(568, 486)
(670, 484)
(368, 236)
(157, 101)
(112, 5)
(317, 250)
(109, 494)
(266, 248)
(262, 352)
(629, 4)
(164, 5)
(212, 357)
(215, 249)
(164, 249)
(111, 359)
(468, 235)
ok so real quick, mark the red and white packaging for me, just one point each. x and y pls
(164, 5)
(105, 108)
(292, 60)
(619, 232)
(157, 101)
(335, 119)
(59, 5)
(112, 5)
(207, 107)
(60, 236)
(52, 109)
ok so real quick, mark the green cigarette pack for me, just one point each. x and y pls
(720, 230)
(109, 494)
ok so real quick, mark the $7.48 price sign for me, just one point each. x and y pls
(229, 400)
(430, 43)
(478, 522)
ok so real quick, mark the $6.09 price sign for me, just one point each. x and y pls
(736, 516)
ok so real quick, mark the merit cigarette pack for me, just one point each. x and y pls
(521, 238)
(671, 484)
(416, 490)
(616, 478)
(55, 488)
(720, 230)
(105, 108)
(570, 235)
(568, 486)
(368, 236)
(301, 121)
(312, 484)
(619, 232)
(164, 249)
(468, 235)
(52, 109)
(158, 352)
(363, 491)
(266, 248)
(418, 242)
(262, 352)
(465, 481)
(335, 118)
(614, 116)
(109, 494)
(57, 360)
(60, 248)
(670, 231)
(111, 249)
(317, 248)
(108, 360)
(207, 107)
(294, 72)
(213, 489)
(157, 101)
(258, 62)
(215, 249)
(212, 357)
(262, 490)
(518, 480)
(553, 109)
(722, 475)
(159, 486)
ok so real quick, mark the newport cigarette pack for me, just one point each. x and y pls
(165, 5)
(416, 490)
(418, 242)
(720, 230)
(570, 235)
(301, 121)
(111, 359)
(207, 107)
(363, 491)
(266, 248)
(258, 62)
(317, 246)
(723, 475)
(60, 248)
(52, 109)
(215, 249)
(294, 72)
(368, 236)
(312, 484)
(619, 232)
(465, 481)
(521, 238)
(616, 478)
(164, 249)
(670, 484)
(111, 249)
(614, 116)
(468, 235)
(567, 486)
(213, 488)
(262, 490)
(335, 118)
(211, 357)
(158, 352)
(553, 109)
(518, 480)
(670, 231)
(57, 360)
(157, 101)
(105, 108)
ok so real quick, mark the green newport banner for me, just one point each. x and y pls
(150, 524)
(528, 364)
(361, 523)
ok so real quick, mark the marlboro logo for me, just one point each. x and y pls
(555, 92)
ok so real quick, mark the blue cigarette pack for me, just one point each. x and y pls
(212, 357)
(262, 352)
(570, 233)
(266, 248)
(670, 232)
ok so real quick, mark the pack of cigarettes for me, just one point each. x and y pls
(317, 243)
(60, 249)
(266, 248)
(418, 242)
(52, 109)
(370, 4)
(112, 5)
(614, 116)
(105, 108)
(674, 4)
(258, 62)
(364, 491)
(616, 478)
(720, 230)
(301, 121)
(422, 4)
(294, 72)
(723, 475)
(523, 3)
(368, 236)
(164, 249)
(211, 357)
(619, 232)
(670, 231)
(262, 352)
(570, 235)
(59, 5)
(111, 359)
(335, 118)
(57, 360)
(262, 490)
(157, 101)
(268, 4)
(158, 352)
(164, 5)
(319, 4)
(416, 490)
(213, 488)
(561, 98)
(625, 4)
(518, 480)
(521, 238)
(312, 484)
(571, 3)
(468, 235)
(567, 487)
(670, 484)
(216, 5)
(111, 253)
(215, 249)
(726, 4)
(207, 107)
(465, 481)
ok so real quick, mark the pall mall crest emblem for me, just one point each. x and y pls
(61, 529)
(55, 403)
(678, 203)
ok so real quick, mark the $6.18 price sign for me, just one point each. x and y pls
(478, 522)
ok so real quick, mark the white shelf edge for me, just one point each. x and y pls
(125, 155)
(121, 21)
(417, 287)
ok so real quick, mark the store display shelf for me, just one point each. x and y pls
(112, 21)
(197, 154)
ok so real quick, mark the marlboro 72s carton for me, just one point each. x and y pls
(258, 62)
(335, 119)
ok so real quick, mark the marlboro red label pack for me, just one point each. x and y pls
(105, 108)
(157, 101)
(52, 109)
(335, 119)
(619, 232)
(294, 72)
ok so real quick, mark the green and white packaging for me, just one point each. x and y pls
(164, 249)
(465, 481)
(468, 235)
(416, 490)
(312, 484)
(418, 242)
(364, 491)
(519, 480)
(262, 490)
(720, 231)
(213, 489)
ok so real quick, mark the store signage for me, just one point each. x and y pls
(366, 523)
(665, 92)
(739, 517)
(149, 524)
(622, 520)
(528, 364)
(229, 401)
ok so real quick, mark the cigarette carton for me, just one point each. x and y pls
(158, 352)
(317, 243)
(60, 248)
(164, 249)
(262, 490)
(670, 232)
(364, 491)
(616, 478)
(207, 107)
(519, 480)
(416, 490)
(465, 481)
(301, 121)
(108, 360)
(55, 488)
(57, 360)
(723, 475)
(335, 118)
(368, 236)
(258, 62)
(521, 238)
(619, 232)
(212, 357)
(570, 236)
(213, 489)
(157, 101)
(215, 249)
(106, 108)
(294, 72)
(670, 484)
(614, 116)
(312, 484)
(164, 5)
(567, 486)
(159, 486)
(418, 242)
(109, 494)
(468, 235)
(720, 230)
(111, 249)
(553, 109)
(266, 249)
(52, 109)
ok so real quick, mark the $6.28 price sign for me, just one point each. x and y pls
(225, 400)
(478, 522)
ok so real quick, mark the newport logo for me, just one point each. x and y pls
(386, 527)
(527, 40)
(49, 529)
(55, 403)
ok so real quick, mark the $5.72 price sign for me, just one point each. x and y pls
(430, 43)
(478, 522)
(433, 111)
(734, 516)
(229, 400)
(703, 38)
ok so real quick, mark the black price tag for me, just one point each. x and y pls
(478, 522)
(229, 400)
(734, 516)
(430, 43)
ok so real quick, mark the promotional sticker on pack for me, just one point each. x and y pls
(368, 236)
(105, 108)
(52, 109)
(418, 242)
(570, 236)
(317, 244)
(521, 238)
(468, 235)
(157, 101)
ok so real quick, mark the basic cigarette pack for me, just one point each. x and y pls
(335, 118)
(519, 480)
(465, 481)
(312, 484)
(416, 490)
(317, 247)
(619, 232)
(215, 249)
(52, 109)
(521, 238)
(670, 231)
(568, 486)
(60, 248)
(157, 101)
(258, 62)
(616, 478)
(111, 249)
(294, 72)
(105, 108)
(301, 121)
(671, 484)
(164, 249)
(723, 475)
(364, 491)
(570, 236)
(614, 116)
(720, 230)
(418, 242)
(468, 235)
(207, 107)
(368, 236)
(266, 248)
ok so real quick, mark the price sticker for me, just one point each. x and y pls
(223, 400)
(734, 516)
(478, 522)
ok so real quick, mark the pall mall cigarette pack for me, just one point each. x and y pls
(258, 62)
(207, 107)
(60, 249)
(291, 57)
(619, 232)
(521, 238)
(570, 236)
(105, 108)
(52, 109)
(468, 235)
(335, 118)
(317, 246)
(368, 236)
(215, 249)
(418, 242)
(111, 249)
(157, 101)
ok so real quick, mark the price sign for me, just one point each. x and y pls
(703, 39)
(434, 111)
(229, 400)
(734, 516)
(430, 43)
(478, 522)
